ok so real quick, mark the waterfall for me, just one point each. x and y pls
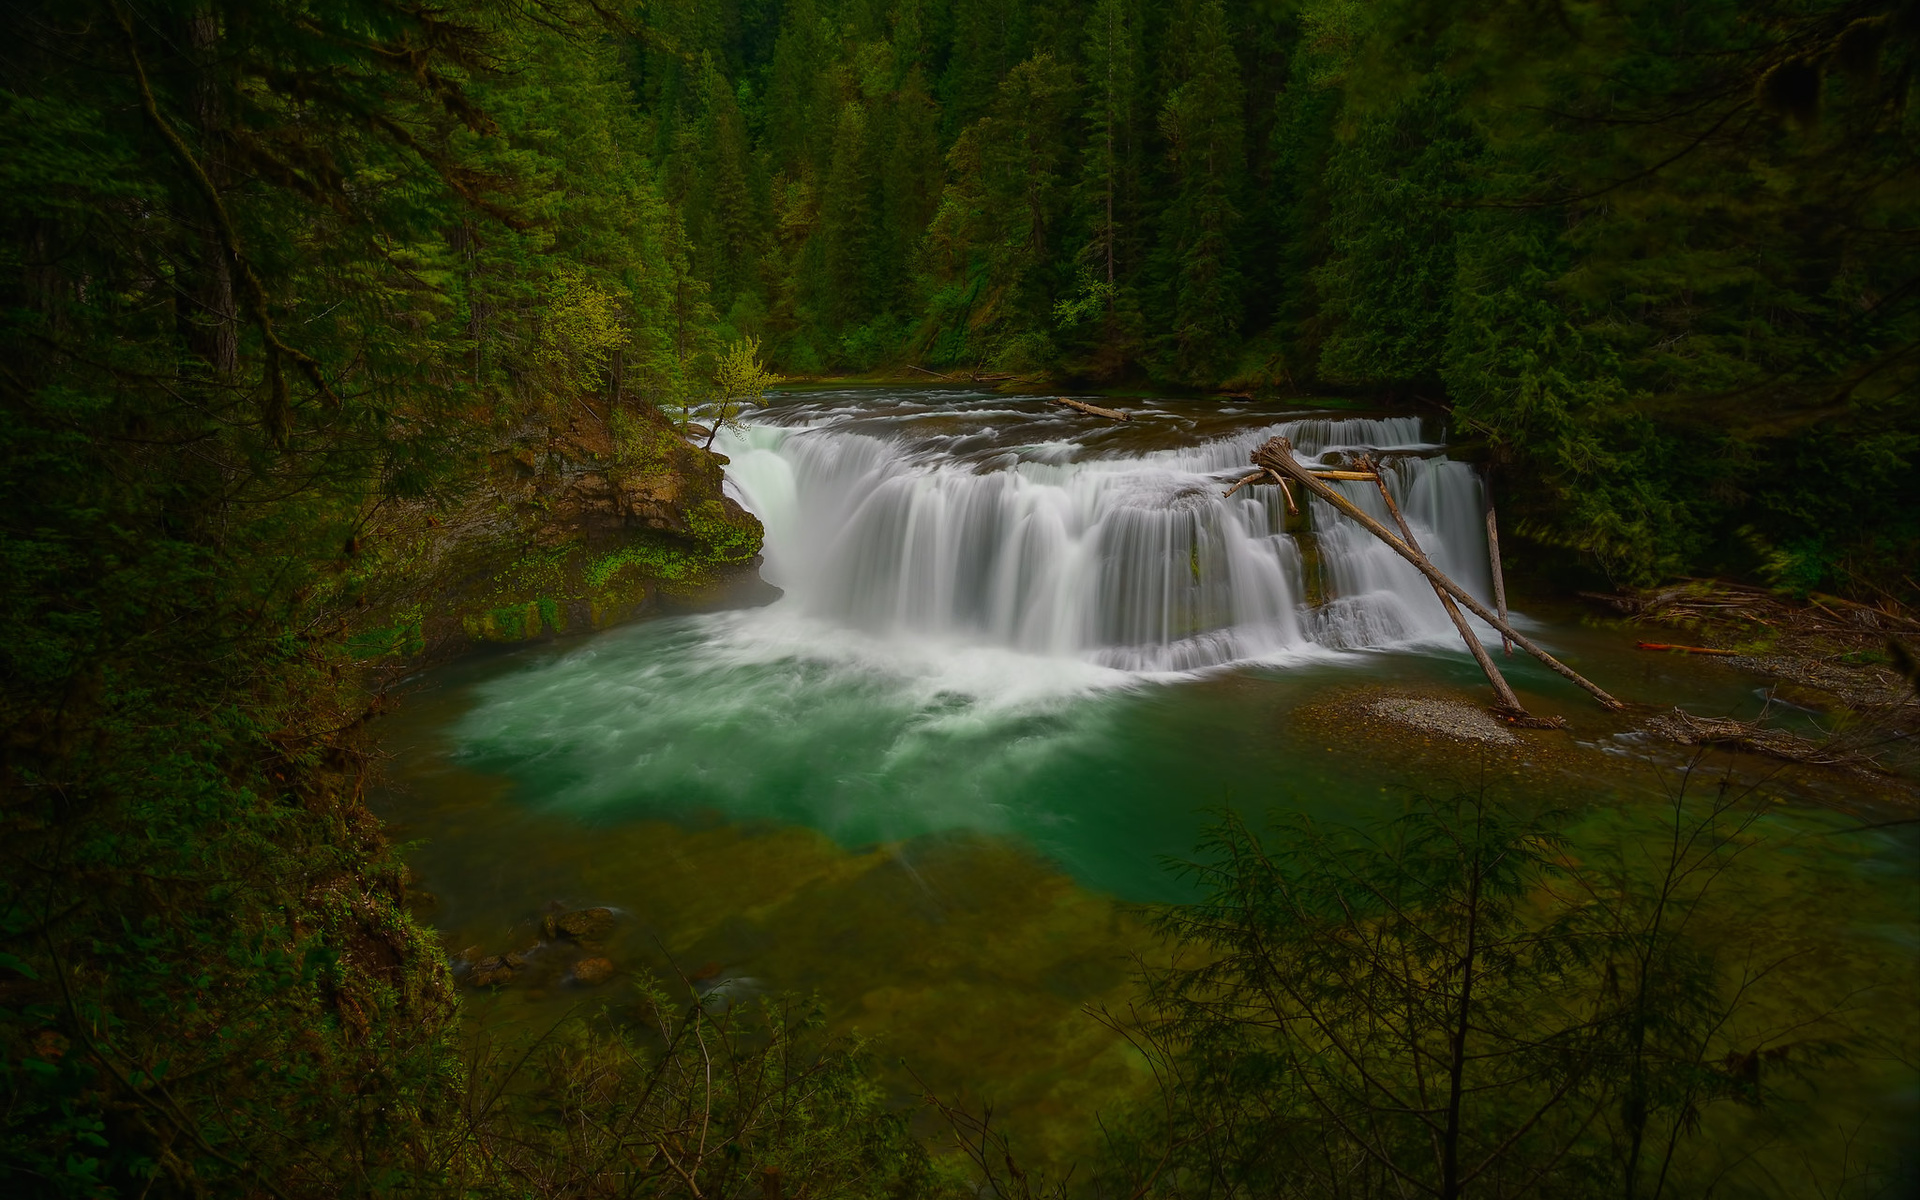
(1131, 560)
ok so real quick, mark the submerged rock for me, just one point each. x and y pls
(496, 970)
(591, 971)
(588, 926)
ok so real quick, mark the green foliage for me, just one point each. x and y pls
(1201, 123)
(582, 326)
(272, 273)
(687, 1095)
(740, 380)
(1387, 285)
(1449, 1004)
(989, 250)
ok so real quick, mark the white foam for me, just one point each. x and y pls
(1134, 562)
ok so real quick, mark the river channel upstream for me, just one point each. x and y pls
(1022, 659)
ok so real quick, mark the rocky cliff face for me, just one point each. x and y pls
(555, 534)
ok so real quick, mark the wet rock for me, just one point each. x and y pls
(495, 971)
(588, 926)
(591, 971)
(492, 970)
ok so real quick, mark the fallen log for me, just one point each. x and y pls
(1682, 649)
(1508, 704)
(1093, 410)
(1277, 455)
(1493, 558)
(935, 374)
(1360, 476)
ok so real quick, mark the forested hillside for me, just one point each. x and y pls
(1662, 259)
(281, 286)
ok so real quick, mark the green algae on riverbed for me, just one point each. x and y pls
(966, 957)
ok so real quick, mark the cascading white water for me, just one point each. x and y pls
(1131, 561)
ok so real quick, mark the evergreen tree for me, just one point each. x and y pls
(1203, 125)
(727, 222)
(911, 183)
(1387, 285)
(849, 219)
(1296, 199)
(996, 249)
(1109, 171)
(799, 121)
(988, 39)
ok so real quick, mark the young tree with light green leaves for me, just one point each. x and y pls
(740, 381)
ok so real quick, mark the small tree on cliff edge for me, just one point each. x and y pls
(739, 379)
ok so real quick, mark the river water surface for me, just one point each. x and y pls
(1021, 660)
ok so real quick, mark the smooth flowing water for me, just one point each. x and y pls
(1020, 657)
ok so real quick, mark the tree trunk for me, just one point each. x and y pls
(212, 321)
(1493, 558)
(1457, 1049)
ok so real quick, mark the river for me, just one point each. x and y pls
(1021, 658)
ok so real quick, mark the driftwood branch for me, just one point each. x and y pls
(1256, 477)
(1688, 730)
(1253, 478)
(1285, 491)
(1683, 649)
(1093, 410)
(1277, 455)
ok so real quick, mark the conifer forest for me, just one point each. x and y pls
(663, 598)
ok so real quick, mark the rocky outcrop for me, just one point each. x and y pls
(553, 534)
